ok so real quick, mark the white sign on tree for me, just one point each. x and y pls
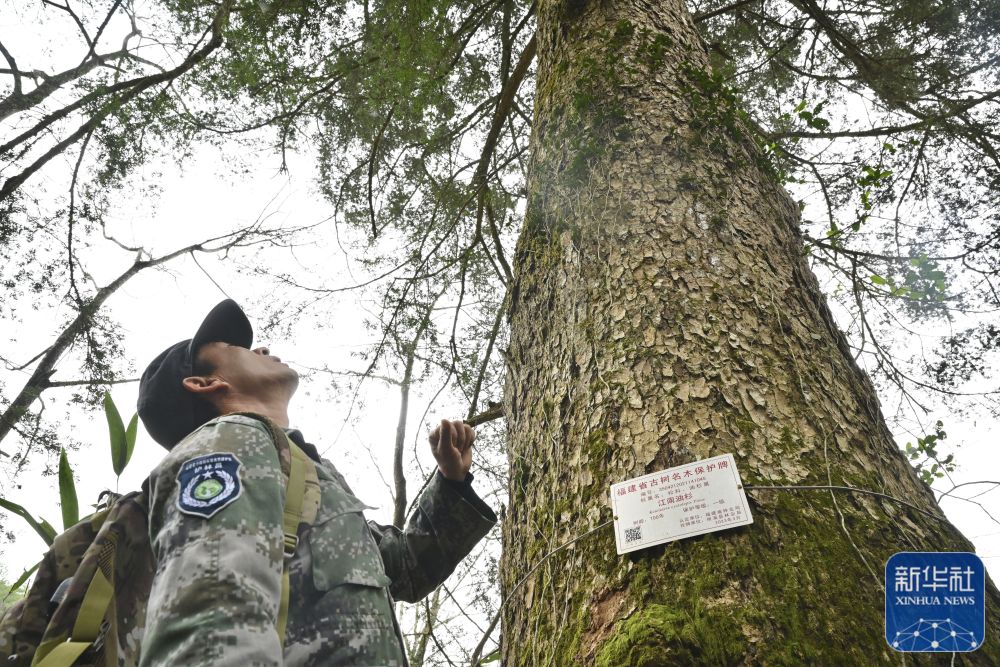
(688, 500)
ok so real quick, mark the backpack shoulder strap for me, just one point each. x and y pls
(295, 493)
(301, 475)
(86, 628)
(85, 613)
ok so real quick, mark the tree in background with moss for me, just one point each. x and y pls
(664, 311)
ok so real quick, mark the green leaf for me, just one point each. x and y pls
(20, 580)
(67, 492)
(47, 527)
(120, 451)
(879, 280)
(130, 434)
(41, 526)
(866, 202)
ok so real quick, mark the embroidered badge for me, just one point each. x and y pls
(208, 484)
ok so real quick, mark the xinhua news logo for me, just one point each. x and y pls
(935, 602)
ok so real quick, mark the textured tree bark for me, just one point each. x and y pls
(663, 312)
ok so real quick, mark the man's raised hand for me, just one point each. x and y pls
(451, 442)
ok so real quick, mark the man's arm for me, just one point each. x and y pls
(216, 531)
(442, 530)
(447, 523)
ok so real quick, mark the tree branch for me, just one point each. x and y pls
(698, 18)
(500, 115)
(39, 379)
(100, 30)
(131, 89)
(17, 103)
(486, 360)
(15, 72)
(492, 414)
(372, 158)
(86, 383)
(76, 19)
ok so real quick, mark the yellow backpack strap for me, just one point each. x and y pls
(295, 494)
(86, 628)
(300, 469)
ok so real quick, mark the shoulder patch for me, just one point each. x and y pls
(208, 484)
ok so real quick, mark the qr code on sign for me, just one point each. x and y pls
(633, 534)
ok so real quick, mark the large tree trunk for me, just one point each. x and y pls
(663, 312)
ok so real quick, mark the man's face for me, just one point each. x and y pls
(249, 372)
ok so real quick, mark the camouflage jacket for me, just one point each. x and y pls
(217, 541)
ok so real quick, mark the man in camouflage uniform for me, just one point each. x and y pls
(215, 520)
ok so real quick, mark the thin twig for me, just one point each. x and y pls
(958, 486)
(208, 275)
(843, 522)
(849, 489)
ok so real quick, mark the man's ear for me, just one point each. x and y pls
(205, 386)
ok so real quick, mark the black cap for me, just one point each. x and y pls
(168, 410)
